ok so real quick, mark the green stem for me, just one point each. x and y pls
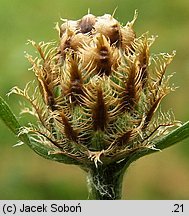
(105, 182)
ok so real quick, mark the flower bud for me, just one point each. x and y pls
(99, 91)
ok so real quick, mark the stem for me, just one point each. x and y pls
(105, 182)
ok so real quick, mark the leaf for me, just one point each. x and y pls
(12, 123)
(166, 141)
(8, 117)
(173, 137)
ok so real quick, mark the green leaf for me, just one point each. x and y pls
(12, 123)
(173, 137)
(170, 139)
(8, 117)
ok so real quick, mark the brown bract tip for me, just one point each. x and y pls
(102, 56)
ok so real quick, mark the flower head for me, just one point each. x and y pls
(98, 91)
